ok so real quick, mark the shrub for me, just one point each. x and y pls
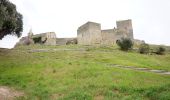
(74, 41)
(160, 50)
(125, 44)
(37, 40)
(28, 41)
(144, 48)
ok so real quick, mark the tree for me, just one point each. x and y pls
(10, 20)
(125, 44)
(144, 48)
(160, 50)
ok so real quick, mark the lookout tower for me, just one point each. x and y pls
(30, 34)
(125, 27)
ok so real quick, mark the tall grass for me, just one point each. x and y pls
(83, 74)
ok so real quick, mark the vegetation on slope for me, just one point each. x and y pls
(10, 20)
(83, 73)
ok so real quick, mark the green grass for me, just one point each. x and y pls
(83, 74)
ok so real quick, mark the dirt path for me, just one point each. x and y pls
(57, 49)
(7, 93)
(163, 72)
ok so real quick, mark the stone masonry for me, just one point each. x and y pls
(48, 38)
(90, 33)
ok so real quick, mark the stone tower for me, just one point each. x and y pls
(30, 34)
(89, 33)
(125, 27)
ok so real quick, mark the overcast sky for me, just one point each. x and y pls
(150, 18)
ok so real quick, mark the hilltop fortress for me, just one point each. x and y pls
(48, 38)
(88, 34)
(91, 33)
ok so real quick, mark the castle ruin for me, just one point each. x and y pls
(90, 33)
(48, 38)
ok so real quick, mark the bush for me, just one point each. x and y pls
(37, 40)
(125, 44)
(74, 41)
(160, 50)
(28, 41)
(144, 48)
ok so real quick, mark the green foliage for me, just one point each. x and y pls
(160, 50)
(37, 39)
(78, 95)
(28, 41)
(67, 74)
(158, 93)
(74, 41)
(144, 48)
(125, 44)
(10, 20)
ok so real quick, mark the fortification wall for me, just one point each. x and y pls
(83, 33)
(64, 41)
(89, 33)
(51, 35)
(50, 38)
(125, 27)
(95, 32)
(108, 36)
(50, 41)
(138, 42)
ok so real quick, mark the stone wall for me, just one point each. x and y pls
(138, 42)
(125, 27)
(89, 33)
(25, 41)
(108, 36)
(64, 41)
(48, 38)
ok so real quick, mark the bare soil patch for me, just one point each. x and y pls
(7, 93)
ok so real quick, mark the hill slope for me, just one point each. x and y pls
(83, 73)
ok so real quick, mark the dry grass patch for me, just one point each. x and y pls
(7, 93)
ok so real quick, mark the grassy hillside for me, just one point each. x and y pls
(83, 73)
